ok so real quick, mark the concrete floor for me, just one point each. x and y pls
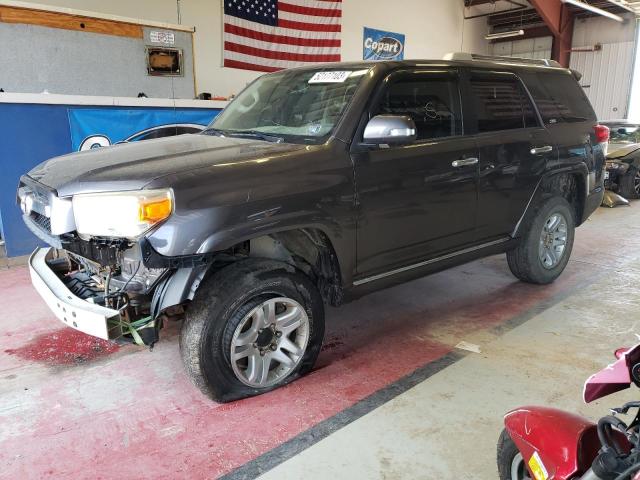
(391, 397)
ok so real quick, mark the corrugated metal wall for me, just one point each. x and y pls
(607, 78)
(607, 73)
(526, 48)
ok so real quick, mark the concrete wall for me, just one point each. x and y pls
(432, 28)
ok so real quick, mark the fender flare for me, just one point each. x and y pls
(579, 169)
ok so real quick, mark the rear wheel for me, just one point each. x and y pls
(252, 327)
(511, 464)
(546, 243)
(629, 185)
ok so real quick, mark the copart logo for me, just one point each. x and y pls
(386, 48)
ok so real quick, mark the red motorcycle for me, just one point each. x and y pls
(540, 443)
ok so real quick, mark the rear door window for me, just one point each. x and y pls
(431, 99)
(500, 103)
(559, 97)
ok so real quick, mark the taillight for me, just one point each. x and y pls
(602, 133)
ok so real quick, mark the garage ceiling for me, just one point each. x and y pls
(506, 15)
(520, 12)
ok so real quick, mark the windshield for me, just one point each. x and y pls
(297, 106)
(624, 133)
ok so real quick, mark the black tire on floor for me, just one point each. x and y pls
(222, 302)
(626, 186)
(524, 261)
(507, 452)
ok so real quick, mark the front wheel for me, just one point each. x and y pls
(511, 465)
(546, 243)
(252, 327)
(629, 184)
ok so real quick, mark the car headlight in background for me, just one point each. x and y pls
(121, 214)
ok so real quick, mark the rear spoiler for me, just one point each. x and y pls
(576, 74)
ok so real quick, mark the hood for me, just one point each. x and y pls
(620, 150)
(133, 165)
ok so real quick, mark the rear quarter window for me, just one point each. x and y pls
(559, 97)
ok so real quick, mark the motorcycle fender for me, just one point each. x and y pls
(555, 445)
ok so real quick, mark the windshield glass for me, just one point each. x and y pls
(297, 106)
(624, 133)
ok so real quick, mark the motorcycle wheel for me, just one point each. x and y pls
(511, 465)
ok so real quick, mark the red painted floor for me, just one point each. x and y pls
(75, 407)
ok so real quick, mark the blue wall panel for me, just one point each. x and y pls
(31, 134)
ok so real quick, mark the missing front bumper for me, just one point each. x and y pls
(74, 312)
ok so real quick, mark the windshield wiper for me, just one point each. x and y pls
(254, 134)
(214, 131)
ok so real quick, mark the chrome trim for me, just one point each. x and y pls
(541, 150)
(429, 262)
(463, 162)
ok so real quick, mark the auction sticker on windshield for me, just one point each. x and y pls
(330, 77)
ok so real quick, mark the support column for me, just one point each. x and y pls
(559, 19)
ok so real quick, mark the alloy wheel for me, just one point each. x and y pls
(553, 240)
(270, 342)
(636, 182)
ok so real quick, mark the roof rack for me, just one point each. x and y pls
(468, 57)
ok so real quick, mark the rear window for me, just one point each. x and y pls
(559, 97)
(501, 104)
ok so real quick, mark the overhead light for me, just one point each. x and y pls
(593, 9)
(512, 33)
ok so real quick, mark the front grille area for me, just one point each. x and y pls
(42, 221)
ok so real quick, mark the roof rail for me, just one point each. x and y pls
(468, 57)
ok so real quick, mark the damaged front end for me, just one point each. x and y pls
(113, 301)
(614, 170)
(96, 283)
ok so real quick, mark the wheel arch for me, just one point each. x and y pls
(571, 183)
(309, 250)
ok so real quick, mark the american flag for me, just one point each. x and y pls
(269, 35)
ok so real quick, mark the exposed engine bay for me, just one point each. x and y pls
(126, 286)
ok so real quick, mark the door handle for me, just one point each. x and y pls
(463, 162)
(541, 150)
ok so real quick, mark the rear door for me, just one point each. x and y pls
(570, 119)
(514, 149)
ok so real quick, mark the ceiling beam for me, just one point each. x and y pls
(559, 18)
(551, 13)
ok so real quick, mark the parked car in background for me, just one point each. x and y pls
(314, 186)
(622, 174)
(622, 133)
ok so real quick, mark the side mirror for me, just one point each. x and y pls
(390, 129)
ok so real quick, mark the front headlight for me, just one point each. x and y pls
(121, 214)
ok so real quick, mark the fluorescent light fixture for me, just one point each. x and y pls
(513, 33)
(593, 9)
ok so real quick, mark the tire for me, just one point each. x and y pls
(226, 312)
(525, 260)
(629, 185)
(511, 465)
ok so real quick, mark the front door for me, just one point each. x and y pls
(416, 201)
